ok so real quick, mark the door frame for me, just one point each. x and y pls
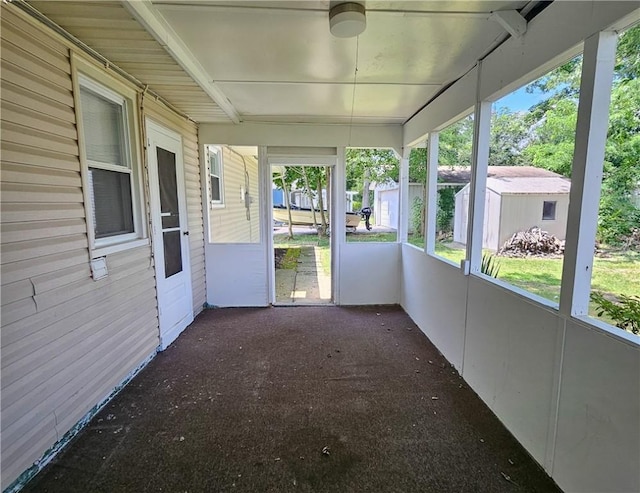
(168, 335)
(267, 162)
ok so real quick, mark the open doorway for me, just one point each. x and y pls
(301, 244)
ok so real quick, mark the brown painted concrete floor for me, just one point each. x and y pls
(247, 399)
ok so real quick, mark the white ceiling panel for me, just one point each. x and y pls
(324, 102)
(278, 60)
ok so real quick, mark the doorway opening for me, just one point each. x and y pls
(302, 262)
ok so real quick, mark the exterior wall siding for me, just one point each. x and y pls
(525, 211)
(229, 224)
(67, 341)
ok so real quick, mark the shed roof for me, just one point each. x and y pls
(529, 185)
(462, 174)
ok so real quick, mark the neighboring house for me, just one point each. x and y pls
(517, 198)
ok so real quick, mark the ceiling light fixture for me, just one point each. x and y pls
(347, 20)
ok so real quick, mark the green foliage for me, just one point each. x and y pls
(490, 265)
(378, 165)
(509, 133)
(418, 165)
(417, 216)
(455, 142)
(552, 143)
(446, 209)
(625, 312)
(617, 217)
(628, 59)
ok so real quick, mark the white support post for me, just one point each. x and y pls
(478, 186)
(586, 174)
(338, 219)
(266, 218)
(431, 204)
(405, 207)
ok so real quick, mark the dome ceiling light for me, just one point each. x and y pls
(347, 20)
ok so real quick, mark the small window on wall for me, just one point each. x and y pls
(215, 175)
(549, 210)
(112, 176)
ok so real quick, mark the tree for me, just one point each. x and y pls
(370, 165)
(509, 135)
(455, 143)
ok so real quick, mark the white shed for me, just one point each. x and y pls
(516, 203)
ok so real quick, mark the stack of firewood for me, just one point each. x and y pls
(632, 242)
(532, 243)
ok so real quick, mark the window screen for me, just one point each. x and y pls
(111, 200)
(111, 188)
(549, 210)
(103, 125)
(216, 175)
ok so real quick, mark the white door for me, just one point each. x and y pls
(170, 232)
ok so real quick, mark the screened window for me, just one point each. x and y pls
(549, 210)
(215, 173)
(111, 177)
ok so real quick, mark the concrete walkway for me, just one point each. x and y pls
(307, 283)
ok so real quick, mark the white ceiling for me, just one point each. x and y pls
(277, 61)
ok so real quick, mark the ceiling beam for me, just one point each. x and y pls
(512, 21)
(171, 5)
(147, 15)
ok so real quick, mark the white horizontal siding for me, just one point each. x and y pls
(67, 341)
(229, 224)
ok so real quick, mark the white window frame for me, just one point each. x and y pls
(88, 76)
(217, 151)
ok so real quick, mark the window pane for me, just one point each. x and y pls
(214, 160)
(529, 181)
(112, 206)
(549, 211)
(451, 203)
(615, 281)
(215, 188)
(417, 198)
(168, 188)
(103, 129)
(373, 195)
(172, 253)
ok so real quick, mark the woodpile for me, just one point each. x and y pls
(532, 243)
(632, 242)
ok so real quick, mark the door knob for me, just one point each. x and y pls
(186, 233)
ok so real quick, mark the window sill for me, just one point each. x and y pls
(608, 329)
(118, 247)
(218, 206)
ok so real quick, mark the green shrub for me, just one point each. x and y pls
(446, 208)
(490, 265)
(417, 209)
(625, 312)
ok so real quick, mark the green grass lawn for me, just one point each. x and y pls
(617, 274)
(282, 241)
